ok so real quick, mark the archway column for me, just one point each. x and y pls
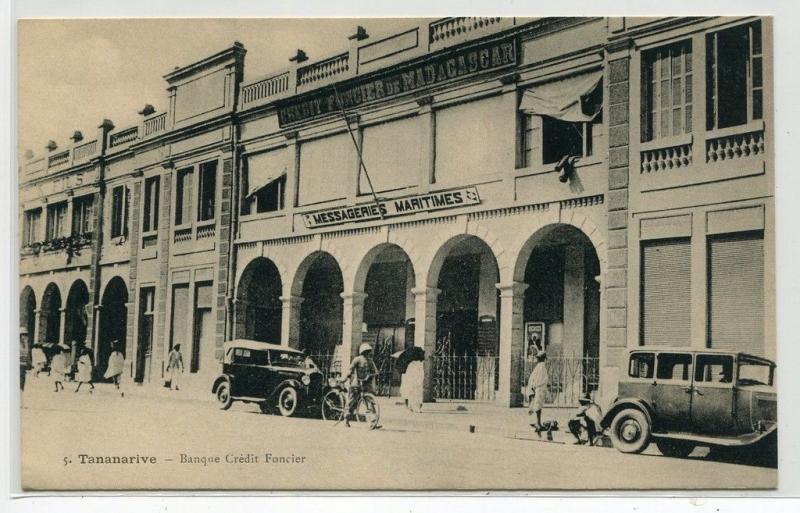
(96, 334)
(37, 330)
(290, 320)
(352, 317)
(425, 332)
(512, 301)
(62, 325)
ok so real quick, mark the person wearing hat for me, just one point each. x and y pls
(362, 371)
(587, 419)
(24, 356)
(537, 388)
(59, 364)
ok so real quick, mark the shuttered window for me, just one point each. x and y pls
(736, 292)
(666, 293)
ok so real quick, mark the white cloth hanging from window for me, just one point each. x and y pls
(577, 98)
(265, 168)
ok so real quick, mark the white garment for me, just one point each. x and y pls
(411, 384)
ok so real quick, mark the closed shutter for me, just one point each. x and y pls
(736, 292)
(666, 293)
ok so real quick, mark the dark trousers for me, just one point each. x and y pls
(576, 426)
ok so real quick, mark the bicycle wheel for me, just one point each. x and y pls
(333, 405)
(368, 411)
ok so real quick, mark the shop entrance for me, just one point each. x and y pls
(113, 322)
(321, 310)
(562, 306)
(258, 302)
(77, 319)
(465, 360)
(50, 316)
(388, 308)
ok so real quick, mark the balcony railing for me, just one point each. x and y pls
(206, 232)
(447, 28)
(323, 69)
(124, 136)
(183, 235)
(726, 145)
(85, 150)
(569, 377)
(669, 157)
(265, 88)
(154, 125)
(58, 159)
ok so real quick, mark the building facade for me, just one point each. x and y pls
(477, 187)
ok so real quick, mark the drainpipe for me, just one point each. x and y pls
(229, 296)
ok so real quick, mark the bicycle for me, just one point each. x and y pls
(334, 406)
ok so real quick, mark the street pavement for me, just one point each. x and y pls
(103, 441)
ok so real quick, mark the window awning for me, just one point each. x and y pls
(578, 98)
(265, 168)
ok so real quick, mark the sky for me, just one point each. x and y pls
(75, 73)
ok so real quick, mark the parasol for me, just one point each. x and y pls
(406, 356)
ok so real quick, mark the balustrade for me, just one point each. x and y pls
(672, 157)
(206, 232)
(734, 146)
(324, 69)
(85, 150)
(265, 88)
(124, 136)
(183, 235)
(154, 125)
(449, 27)
(58, 159)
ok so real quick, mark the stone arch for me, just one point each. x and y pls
(27, 311)
(443, 248)
(50, 316)
(113, 321)
(258, 301)
(319, 281)
(366, 261)
(77, 318)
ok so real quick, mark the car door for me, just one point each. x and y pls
(672, 393)
(260, 374)
(713, 394)
(240, 371)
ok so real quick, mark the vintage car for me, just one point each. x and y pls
(680, 398)
(271, 375)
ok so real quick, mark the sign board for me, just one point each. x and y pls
(391, 208)
(414, 76)
(534, 339)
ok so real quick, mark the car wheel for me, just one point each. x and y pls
(675, 448)
(288, 401)
(630, 431)
(224, 396)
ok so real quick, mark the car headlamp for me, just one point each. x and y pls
(306, 379)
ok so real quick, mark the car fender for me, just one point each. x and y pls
(624, 403)
(291, 382)
(221, 379)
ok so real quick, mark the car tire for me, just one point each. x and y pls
(675, 448)
(630, 431)
(224, 395)
(288, 401)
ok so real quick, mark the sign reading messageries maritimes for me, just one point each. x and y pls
(402, 79)
(395, 207)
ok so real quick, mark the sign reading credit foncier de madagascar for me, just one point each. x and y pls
(395, 207)
(401, 80)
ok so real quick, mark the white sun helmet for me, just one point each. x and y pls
(364, 347)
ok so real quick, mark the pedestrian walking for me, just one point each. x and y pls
(175, 367)
(115, 365)
(537, 388)
(59, 365)
(586, 420)
(411, 386)
(38, 359)
(85, 367)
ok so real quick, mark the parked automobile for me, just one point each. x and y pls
(681, 398)
(273, 376)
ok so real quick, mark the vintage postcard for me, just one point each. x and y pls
(463, 253)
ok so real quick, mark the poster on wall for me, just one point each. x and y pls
(534, 339)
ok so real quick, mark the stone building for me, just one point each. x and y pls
(461, 186)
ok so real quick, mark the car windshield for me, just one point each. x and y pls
(754, 373)
(287, 359)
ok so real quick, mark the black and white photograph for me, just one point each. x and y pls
(400, 254)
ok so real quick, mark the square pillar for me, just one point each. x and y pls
(512, 301)
(290, 321)
(62, 312)
(37, 330)
(425, 332)
(352, 317)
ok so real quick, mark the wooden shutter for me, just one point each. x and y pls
(666, 293)
(736, 292)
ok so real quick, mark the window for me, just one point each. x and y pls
(545, 140)
(30, 227)
(241, 356)
(151, 197)
(269, 198)
(208, 191)
(641, 365)
(83, 215)
(56, 217)
(736, 292)
(735, 85)
(665, 292)
(667, 91)
(713, 368)
(674, 366)
(183, 197)
(119, 211)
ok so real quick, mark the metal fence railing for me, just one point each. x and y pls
(570, 377)
(330, 365)
(464, 378)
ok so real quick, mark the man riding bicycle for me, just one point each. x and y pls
(361, 373)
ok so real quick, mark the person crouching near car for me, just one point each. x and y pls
(537, 388)
(362, 371)
(587, 419)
